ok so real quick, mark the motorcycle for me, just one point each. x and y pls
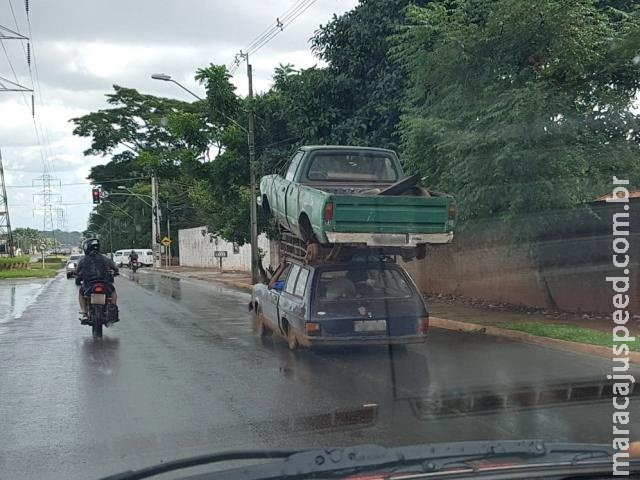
(134, 265)
(100, 311)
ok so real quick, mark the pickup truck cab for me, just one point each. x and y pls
(357, 196)
(339, 304)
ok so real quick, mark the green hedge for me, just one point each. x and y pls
(13, 260)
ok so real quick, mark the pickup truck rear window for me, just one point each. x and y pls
(345, 167)
(362, 283)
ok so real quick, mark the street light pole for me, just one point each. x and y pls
(252, 164)
(252, 173)
(155, 223)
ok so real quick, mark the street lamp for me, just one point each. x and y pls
(252, 167)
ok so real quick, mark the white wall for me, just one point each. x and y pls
(197, 249)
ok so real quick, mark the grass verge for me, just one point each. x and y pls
(565, 332)
(24, 273)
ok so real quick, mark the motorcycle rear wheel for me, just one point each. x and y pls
(96, 326)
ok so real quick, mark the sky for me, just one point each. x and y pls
(83, 47)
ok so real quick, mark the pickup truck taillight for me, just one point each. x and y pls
(328, 212)
(452, 211)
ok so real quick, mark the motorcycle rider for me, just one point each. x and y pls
(94, 267)
(133, 255)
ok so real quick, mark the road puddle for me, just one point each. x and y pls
(16, 296)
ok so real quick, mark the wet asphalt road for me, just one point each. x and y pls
(183, 374)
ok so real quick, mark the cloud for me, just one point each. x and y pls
(81, 48)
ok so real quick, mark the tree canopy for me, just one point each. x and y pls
(515, 107)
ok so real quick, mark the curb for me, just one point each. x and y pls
(564, 345)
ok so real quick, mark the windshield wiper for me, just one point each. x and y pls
(208, 459)
(299, 464)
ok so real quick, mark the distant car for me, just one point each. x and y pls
(355, 303)
(72, 264)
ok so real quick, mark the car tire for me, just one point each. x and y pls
(261, 329)
(292, 340)
(69, 275)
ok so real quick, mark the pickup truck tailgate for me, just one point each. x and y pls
(394, 217)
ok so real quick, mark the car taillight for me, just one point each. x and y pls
(452, 211)
(423, 324)
(98, 289)
(312, 328)
(328, 212)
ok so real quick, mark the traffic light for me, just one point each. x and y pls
(95, 193)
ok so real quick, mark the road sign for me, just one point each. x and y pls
(166, 241)
(220, 254)
(43, 246)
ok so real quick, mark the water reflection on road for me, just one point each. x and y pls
(16, 296)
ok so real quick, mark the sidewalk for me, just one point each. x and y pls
(241, 280)
(582, 333)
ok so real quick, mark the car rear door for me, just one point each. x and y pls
(292, 304)
(270, 299)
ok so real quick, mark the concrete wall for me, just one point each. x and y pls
(565, 269)
(197, 247)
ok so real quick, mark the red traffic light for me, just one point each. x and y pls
(95, 193)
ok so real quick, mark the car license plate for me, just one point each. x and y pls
(98, 299)
(369, 325)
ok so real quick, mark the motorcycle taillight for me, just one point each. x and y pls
(98, 289)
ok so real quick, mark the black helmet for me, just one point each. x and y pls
(91, 245)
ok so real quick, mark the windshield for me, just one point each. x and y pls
(344, 167)
(335, 223)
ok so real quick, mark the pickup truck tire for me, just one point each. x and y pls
(306, 230)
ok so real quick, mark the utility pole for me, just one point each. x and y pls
(7, 85)
(168, 236)
(48, 197)
(5, 222)
(155, 214)
(252, 174)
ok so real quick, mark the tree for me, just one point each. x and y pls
(27, 239)
(515, 105)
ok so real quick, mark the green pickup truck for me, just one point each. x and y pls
(356, 196)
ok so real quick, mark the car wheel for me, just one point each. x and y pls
(261, 329)
(69, 275)
(292, 340)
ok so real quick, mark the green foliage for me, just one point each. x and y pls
(28, 273)
(569, 333)
(513, 105)
(13, 260)
(516, 107)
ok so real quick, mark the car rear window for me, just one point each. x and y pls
(74, 257)
(362, 283)
(346, 167)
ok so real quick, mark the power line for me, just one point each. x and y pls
(102, 182)
(285, 19)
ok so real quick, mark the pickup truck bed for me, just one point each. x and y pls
(316, 204)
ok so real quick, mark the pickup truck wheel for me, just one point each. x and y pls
(292, 341)
(313, 252)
